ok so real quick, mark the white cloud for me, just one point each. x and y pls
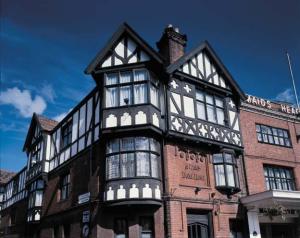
(48, 92)
(61, 116)
(23, 102)
(286, 96)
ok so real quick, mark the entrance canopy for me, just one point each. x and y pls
(288, 199)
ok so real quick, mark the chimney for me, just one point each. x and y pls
(172, 44)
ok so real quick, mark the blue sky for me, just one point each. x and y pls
(46, 45)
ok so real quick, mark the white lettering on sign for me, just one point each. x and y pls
(289, 110)
(259, 102)
(86, 217)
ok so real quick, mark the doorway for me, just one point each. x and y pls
(198, 224)
(277, 230)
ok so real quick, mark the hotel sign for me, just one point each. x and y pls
(267, 104)
(193, 166)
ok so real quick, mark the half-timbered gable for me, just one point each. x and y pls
(128, 71)
(203, 98)
(124, 48)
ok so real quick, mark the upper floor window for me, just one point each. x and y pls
(272, 135)
(130, 87)
(210, 107)
(225, 170)
(35, 154)
(36, 194)
(66, 134)
(65, 188)
(132, 157)
(279, 178)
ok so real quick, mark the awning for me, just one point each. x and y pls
(288, 199)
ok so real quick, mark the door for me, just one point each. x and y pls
(198, 225)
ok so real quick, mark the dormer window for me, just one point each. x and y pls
(35, 154)
(130, 88)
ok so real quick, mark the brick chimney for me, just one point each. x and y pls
(172, 44)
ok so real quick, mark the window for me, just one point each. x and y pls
(132, 157)
(130, 87)
(225, 170)
(121, 228)
(15, 186)
(36, 194)
(279, 178)
(65, 187)
(272, 135)
(35, 154)
(146, 224)
(66, 134)
(67, 230)
(210, 107)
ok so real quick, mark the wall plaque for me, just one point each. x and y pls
(192, 165)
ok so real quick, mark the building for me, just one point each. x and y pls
(154, 150)
(272, 154)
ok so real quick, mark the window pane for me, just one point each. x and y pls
(127, 165)
(258, 128)
(140, 93)
(209, 99)
(111, 79)
(142, 143)
(140, 75)
(219, 102)
(154, 95)
(154, 166)
(220, 175)
(154, 145)
(230, 175)
(113, 166)
(201, 111)
(125, 77)
(220, 116)
(259, 137)
(218, 158)
(120, 228)
(127, 144)
(210, 114)
(200, 96)
(112, 146)
(142, 164)
(228, 158)
(125, 95)
(111, 97)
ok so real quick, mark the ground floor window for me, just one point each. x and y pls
(146, 224)
(236, 228)
(121, 228)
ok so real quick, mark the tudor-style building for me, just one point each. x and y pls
(154, 150)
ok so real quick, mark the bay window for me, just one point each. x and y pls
(225, 170)
(210, 107)
(132, 157)
(130, 88)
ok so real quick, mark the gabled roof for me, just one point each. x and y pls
(205, 46)
(124, 28)
(44, 124)
(5, 176)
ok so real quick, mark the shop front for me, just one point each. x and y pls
(273, 214)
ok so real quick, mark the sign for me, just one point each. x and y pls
(83, 198)
(285, 108)
(193, 166)
(86, 217)
(85, 231)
